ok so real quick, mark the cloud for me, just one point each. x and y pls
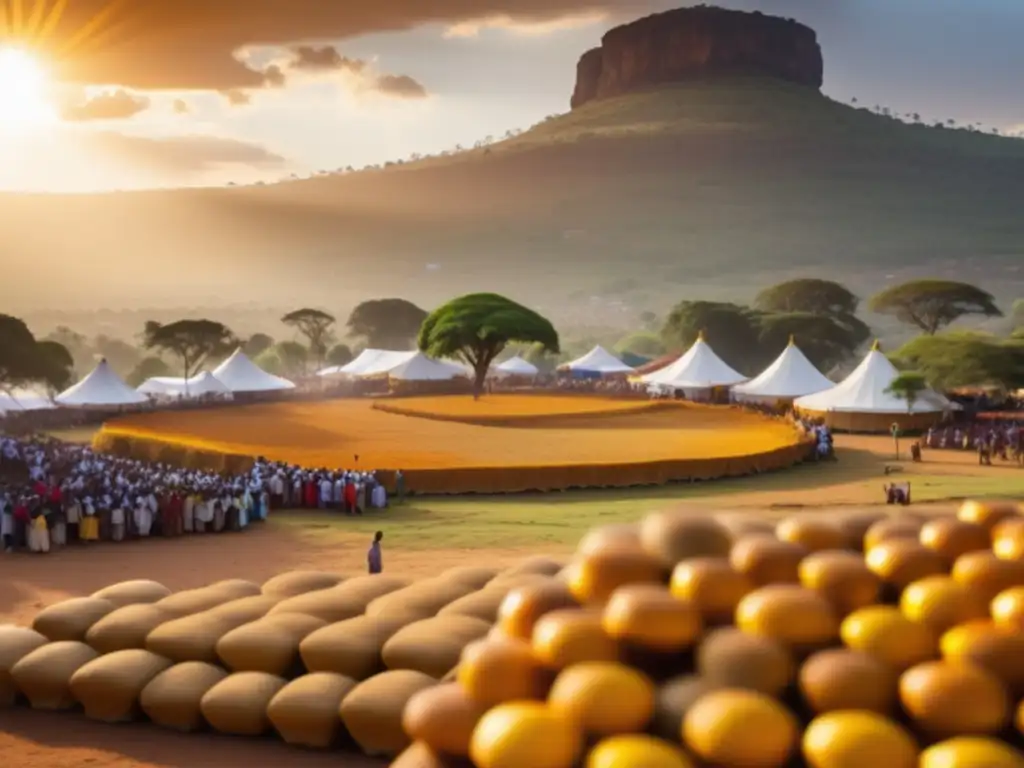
(308, 59)
(237, 98)
(192, 44)
(111, 105)
(400, 86)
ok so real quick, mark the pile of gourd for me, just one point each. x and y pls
(861, 641)
(866, 642)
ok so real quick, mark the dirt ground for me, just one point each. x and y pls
(44, 740)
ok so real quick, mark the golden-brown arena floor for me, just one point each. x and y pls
(548, 438)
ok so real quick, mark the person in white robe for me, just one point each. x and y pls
(188, 507)
(117, 519)
(143, 516)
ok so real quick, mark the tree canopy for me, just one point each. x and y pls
(813, 297)
(730, 328)
(749, 339)
(294, 358)
(148, 368)
(931, 305)
(908, 386)
(818, 297)
(476, 328)
(318, 328)
(23, 360)
(386, 323)
(256, 344)
(191, 341)
(339, 354)
(642, 343)
(950, 360)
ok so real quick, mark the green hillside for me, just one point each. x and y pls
(703, 190)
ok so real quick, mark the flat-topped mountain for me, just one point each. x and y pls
(698, 42)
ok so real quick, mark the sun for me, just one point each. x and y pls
(24, 92)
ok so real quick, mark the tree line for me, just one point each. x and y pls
(821, 315)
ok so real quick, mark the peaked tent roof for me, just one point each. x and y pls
(791, 375)
(240, 374)
(419, 367)
(698, 368)
(204, 383)
(863, 391)
(597, 360)
(102, 387)
(369, 362)
(516, 366)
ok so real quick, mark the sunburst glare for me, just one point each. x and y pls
(25, 104)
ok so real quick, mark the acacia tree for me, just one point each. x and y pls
(933, 304)
(191, 341)
(318, 328)
(812, 296)
(908, 386)
(386, 323)
(23, 360)
(476, 328)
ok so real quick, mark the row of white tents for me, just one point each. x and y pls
(103, 388)
(416, 366)
(791, 378)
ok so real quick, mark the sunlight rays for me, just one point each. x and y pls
(24, 93)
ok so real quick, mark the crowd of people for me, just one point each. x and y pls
(54, 494)
(1003, 439)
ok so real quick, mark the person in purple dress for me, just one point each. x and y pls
(373, 556)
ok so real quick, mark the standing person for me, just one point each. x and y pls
(374, 559)
(400, 486)
(350, 495)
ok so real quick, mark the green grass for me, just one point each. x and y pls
(561, 519)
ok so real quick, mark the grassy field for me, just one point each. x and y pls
(559, 520)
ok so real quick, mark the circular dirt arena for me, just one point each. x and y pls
(498, 444)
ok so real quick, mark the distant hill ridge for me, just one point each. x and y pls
(712, 187)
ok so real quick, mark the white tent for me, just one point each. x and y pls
(864, 392)
(792, 375)
(240, 374)
(516, 366)
(597, 361)
(369, 362)
(101, 388)
(698, 368)
(200, 385)
(419, 367)
(24, 400)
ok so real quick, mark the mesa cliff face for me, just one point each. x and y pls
(698, 42)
